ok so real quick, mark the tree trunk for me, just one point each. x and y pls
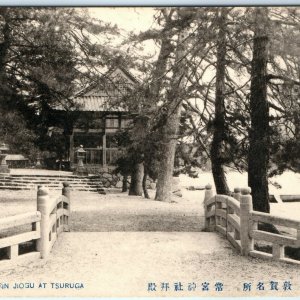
(219, 121)
(125, 184)
(141, 123)
(136, 184)
(165, 175)
(137, 157)
(5, 43)
(152, 99)
(169, 130)
(146, 195)
(5, 93)
(258, 156)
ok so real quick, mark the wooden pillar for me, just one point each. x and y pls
(246, 207)
(104, 150)
(120, 121)
(104, 142)
(71, 149)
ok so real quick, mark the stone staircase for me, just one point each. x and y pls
(90, 183)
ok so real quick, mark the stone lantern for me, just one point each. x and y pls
(80, 170)
(3, 152)
(38, 164)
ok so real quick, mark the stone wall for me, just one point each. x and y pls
(110, 179)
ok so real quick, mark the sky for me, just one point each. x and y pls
(135, 19)
(127, 18)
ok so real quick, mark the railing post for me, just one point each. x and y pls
(66, 191)
(237, 194)
(43, 244)
(246, 207)
(208, 194)
(229, 211)
(278, 251)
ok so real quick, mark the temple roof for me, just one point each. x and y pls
(95, 103)
(107, 96)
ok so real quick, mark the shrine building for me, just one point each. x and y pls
(98, 113)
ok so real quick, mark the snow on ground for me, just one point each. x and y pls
(289, 182)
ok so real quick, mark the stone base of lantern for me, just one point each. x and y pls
(4, 169)
(38, 165)
(81, 171)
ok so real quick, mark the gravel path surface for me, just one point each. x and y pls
(119, 212)
(123, 263)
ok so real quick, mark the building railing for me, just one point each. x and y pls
(50, 219)
(235, 219)
(94, 156)
(112, 154)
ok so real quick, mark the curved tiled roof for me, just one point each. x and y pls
(96, 103)
(107, 96)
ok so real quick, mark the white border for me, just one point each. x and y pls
(149, 3)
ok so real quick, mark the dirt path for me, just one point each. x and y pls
(123, 264)
(116, 212)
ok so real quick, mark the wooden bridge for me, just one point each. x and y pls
(235, 219)
(50, 219)
(124, 263)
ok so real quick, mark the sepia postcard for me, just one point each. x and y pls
(150, 151)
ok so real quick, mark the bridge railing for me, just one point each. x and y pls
(55, 213)
(50, 219)
(235, 219)
(10, 244)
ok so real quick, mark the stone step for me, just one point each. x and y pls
(75, 177)
(49, 182)
(14, 188)
(74, 184)
(46, 178)
(55, 181)
(39, 176)
(18, 188)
